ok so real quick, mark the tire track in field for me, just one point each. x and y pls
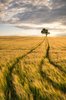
(51, 62)
(10, 92)
(61, 87)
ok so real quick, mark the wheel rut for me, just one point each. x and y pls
(61, 87)
(10, 92)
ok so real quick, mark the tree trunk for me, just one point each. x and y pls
(46, 35)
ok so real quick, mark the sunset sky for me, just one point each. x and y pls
(28, 17)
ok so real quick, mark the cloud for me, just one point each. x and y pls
(3, 1)
(37, 12)
(57, 3)
(33, 13)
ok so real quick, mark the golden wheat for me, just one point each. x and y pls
(32, 68)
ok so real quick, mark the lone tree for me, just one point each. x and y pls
(45, 31)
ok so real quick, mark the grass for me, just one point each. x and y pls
(32, 68)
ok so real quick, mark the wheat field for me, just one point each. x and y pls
(32, 68)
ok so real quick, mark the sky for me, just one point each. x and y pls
(28, 17)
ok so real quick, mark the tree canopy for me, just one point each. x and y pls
(45, 31)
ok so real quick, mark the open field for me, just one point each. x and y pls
(32, 68)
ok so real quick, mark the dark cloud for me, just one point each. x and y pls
(4, 1)
(32, 13)
(58, 15)
(57, 3)
(37, 13)
(42, 14)
(40, 27)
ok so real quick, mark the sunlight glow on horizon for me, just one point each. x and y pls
(31, 30)
(29, 17)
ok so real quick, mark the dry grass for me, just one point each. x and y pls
(32, 69)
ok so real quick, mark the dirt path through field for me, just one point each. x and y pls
(10, 92)
(61, 87)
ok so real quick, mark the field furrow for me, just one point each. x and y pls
(36, 73)
(10, 92)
